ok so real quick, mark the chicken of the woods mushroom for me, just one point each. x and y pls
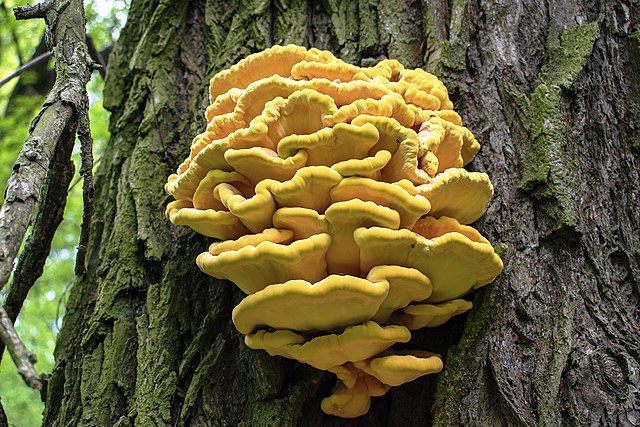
(340, 203)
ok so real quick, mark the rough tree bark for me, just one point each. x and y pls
(552, 91)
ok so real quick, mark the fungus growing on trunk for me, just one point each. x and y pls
(340, 198)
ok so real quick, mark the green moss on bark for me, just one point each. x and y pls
(344, 15)
(247, 29)
(205, 370)
(369, 37)
(446, 50)
(568, 52)
(291, 22)
(548, 167)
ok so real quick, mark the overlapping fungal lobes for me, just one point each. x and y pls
(340, 201)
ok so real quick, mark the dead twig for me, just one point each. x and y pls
(22, 357)
(86, 171)
(99, 63)
(32, 63)
(32, 11)
(78, 179)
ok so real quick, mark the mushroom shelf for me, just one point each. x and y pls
(341, 203)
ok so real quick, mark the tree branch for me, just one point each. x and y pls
(31, 11)
(86, 171)
(22, 357)
(26, 181)
(99, 62)
(56, 123)
(50, 214)
(38, 245)
(25, 67)
(44, 80)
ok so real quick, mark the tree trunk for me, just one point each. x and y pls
(552, 91)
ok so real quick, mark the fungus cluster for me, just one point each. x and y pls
(341, 204)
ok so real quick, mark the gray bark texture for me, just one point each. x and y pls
(551, 90)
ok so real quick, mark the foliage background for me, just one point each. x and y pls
(42, 312)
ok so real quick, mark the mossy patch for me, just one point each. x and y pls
(568, 53)
(399, 34)
(291, 22)
(547, 164)
(369, 37)
(447, 58)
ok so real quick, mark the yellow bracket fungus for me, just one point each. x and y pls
(454, 263)
(340, 199)
(405, 285)
(339, 221)
(459, 194)
(418, 316)
(354, 401)
(410, 208)
(396, 369)
(209, 222)
(332, 303)
(358, 342)
(361, 380)
(454, 146)
(253, 268)
(369, 167)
